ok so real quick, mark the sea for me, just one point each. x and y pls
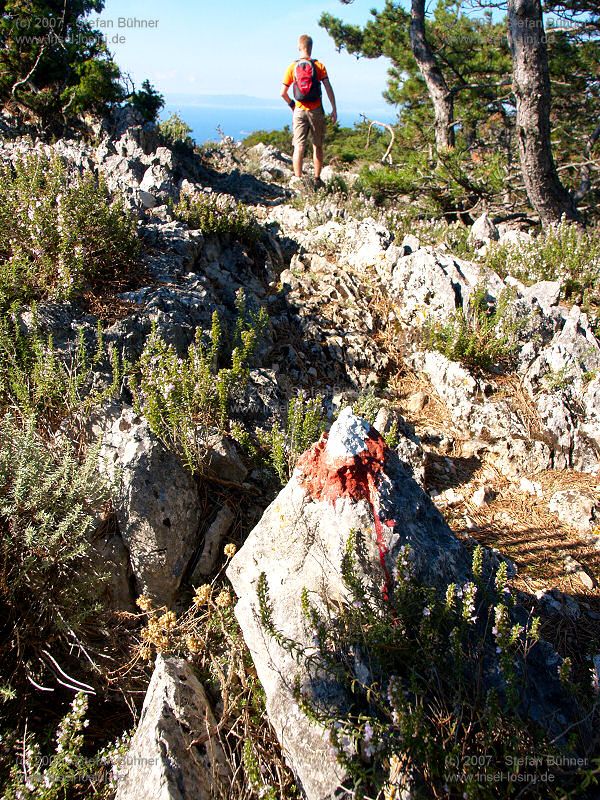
(239, 122)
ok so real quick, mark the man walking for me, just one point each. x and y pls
(306, 76)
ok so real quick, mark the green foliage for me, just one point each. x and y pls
(49, 501)
(422, 699)
(345, 145)
(59, 232)
(218, 216)
(183, 399)
(69, 771)
(38, 381)
(305, 422)
(97, 87)
(366, 405)
(175, 132)
(441, 185)
(53, 63)
(383, 182)
(281, 139)
(485, 337)
(147, 101)
(563, 252)
(471, 51)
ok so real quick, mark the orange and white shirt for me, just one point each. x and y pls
(288, 79)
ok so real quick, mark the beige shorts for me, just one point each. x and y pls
(305, 121)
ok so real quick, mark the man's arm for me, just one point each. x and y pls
(331, 97)
(286, 97)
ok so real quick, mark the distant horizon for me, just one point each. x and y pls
(240, 115)
(226, 100)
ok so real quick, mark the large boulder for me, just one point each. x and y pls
(174, 754)
(157, 509)
(348, 481)
(431, 285)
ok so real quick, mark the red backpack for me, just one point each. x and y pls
(307, 87)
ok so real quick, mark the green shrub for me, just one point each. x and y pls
(37, 380)
(147, 101)
(384, 183)
(282, 139)
(305, 421)
(184, 399)
(416, 667)
(563, 252)
(218, 216)
(53, 62)
(175, 132)
(48, 504)
(485, 337)
(59, 232)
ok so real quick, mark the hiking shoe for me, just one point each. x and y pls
(318, 184)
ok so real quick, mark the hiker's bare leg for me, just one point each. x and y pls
(298, 159)
(318, 160)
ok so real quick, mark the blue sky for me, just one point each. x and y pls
(238, 47)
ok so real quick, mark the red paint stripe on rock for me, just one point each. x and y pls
(356, 477)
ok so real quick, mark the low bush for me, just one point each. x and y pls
(183, 399)
(562, 252)
(282, 139)
(218, 216)
(37, 380)
(485, 337)
(59, 232)
(423, 704)
(175, 132)
(49, 501)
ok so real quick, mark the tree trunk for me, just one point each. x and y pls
(441, 97)
(531, 85)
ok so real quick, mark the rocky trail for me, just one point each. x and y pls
(506, 459)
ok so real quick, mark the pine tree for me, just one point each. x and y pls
(53, 64)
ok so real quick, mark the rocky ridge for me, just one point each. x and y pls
(344, 300)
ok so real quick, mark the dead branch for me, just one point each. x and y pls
(386, 156)
(30, 73)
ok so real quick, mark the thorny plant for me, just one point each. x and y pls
(425, 705)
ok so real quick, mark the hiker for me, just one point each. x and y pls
(306, 75)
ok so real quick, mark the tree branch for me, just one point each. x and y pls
(30, 73)
(386, 156)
